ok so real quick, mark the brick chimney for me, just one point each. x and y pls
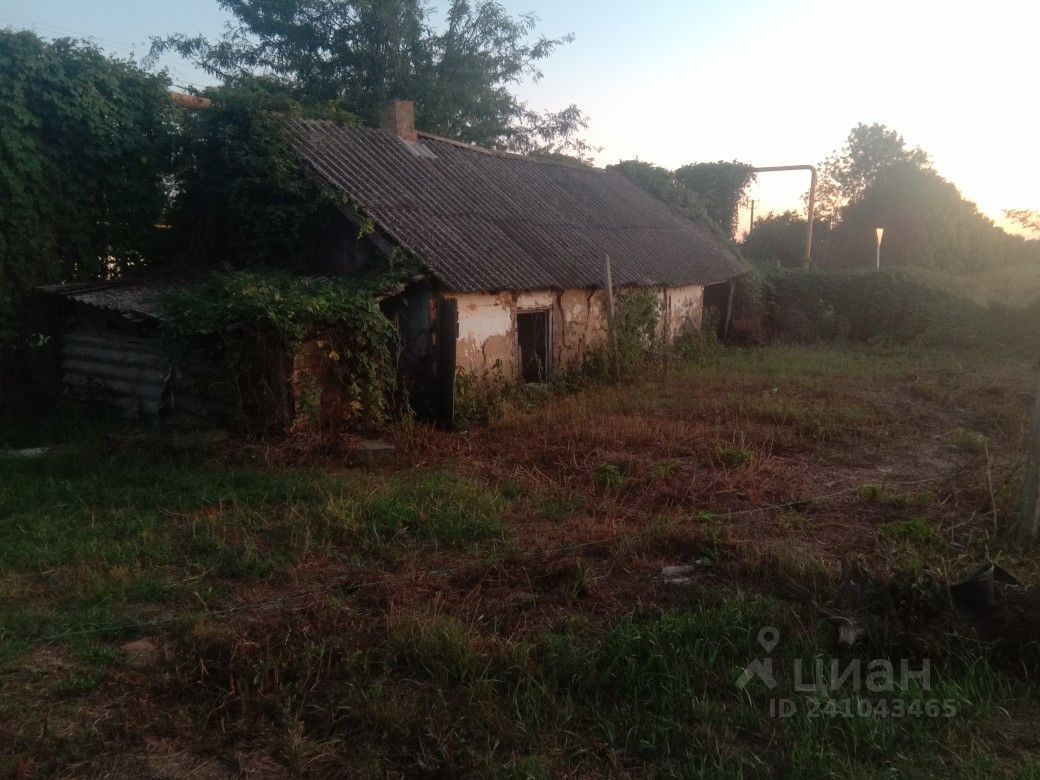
(398, 116)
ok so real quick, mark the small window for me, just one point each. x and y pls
(532, 333)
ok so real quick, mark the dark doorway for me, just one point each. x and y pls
(717, 302)
(532, 332)
(447, 342)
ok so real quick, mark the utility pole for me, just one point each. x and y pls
(751, 224)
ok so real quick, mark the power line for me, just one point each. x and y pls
(122, 47)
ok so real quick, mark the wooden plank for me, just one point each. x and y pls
(126, 372)
(144, 390)
(112, 354)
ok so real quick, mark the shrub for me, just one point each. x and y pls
(236, 334)
(878, 307)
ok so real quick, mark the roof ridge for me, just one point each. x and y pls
(510, 155)
(470, 147)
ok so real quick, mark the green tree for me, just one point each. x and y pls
(720, 186)
(869, 150)
(663, 185)
(243, 197)
(927, 223)
(85, 146)
(780, 239)
(361, 53)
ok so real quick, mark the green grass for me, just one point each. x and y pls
(482, 659)
(100, 540)
(654, 692)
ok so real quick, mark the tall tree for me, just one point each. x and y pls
(927, 222)
(869, 150)
(85, 146)
(361, 53)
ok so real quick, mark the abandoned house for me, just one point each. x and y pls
(513, 251)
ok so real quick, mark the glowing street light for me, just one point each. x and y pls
(880, 233)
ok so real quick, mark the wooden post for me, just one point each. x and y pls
(608, 284)
(1029, 506)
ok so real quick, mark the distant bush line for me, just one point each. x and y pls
(805, 306)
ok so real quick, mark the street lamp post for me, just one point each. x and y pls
(880, 233)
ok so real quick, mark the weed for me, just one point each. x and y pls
(732, 456)
(608, 475)
(559, 507)
(794, 520)
(445, 508)
(915, 529)
(664, 469)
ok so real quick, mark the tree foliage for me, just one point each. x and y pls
(243, 196)
(721, 187)
(779, 239)
(85, 145)
(362, 53)
(1025, 218)
(927, 223)
(710, 193)
(869, 151)
(663, 185)
(877, 181)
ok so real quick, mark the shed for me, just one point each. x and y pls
(513, 246)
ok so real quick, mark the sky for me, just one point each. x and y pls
(765, 82)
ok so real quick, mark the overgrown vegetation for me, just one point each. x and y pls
(458, 64)
(236, 334)
(87, 140)
(876, 180)
(385, 619)
(244, 197)
(711, 193)
(890, 306)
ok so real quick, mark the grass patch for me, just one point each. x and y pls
(914, 530)
(450, 510)
(732, 456)
(608, 475)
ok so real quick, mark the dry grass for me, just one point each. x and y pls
(313, 615)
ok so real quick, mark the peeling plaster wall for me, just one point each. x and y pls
(686, 310)
(487, 324)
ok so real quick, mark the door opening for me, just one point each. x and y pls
(532, 333)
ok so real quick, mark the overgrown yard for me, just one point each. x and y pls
(494, 601)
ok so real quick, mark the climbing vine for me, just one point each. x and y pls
(86, 143)
(237, 334)
(244, 196)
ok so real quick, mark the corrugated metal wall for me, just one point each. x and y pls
(127, 369)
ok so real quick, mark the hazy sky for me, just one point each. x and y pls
(769, 83)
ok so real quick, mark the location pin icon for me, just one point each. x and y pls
(768, 637)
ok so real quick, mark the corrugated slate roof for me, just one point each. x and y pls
(136, 299)
(482, 220)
